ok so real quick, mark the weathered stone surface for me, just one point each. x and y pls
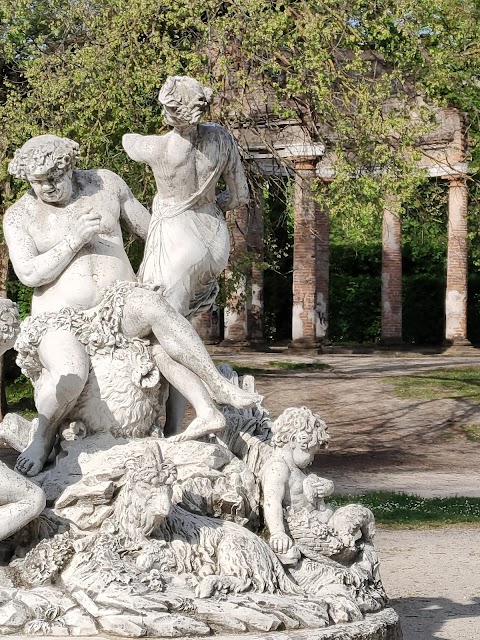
(174, 626)
(148, 536)
(127, 626)
(79, 623)
(13, 615)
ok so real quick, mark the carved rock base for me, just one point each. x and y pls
(384, 625)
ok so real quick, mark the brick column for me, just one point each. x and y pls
(457, 252)
(391, 323)
(255, 241)
(236, 314)
(310, 261)
(207, 325)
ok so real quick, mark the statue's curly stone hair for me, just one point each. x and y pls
(302, 425)
(178, 92)
(9, 320)
(45, 150)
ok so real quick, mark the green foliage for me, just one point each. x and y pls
(20, 397)
(406, 510)
(91, 70)
(350, 72)
(354, 308)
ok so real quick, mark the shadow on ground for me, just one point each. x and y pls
(425, 618)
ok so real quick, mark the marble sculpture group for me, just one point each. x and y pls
(115, 520)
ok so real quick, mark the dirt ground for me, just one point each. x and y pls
(383, 442)
(378, 441)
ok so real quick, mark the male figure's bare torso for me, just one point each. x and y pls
(98, 263)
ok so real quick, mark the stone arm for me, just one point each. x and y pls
(236, 193)
(275, 481)
(133, 214)
(20, 501)
(138, 147)
(36, 269)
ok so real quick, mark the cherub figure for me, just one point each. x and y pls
(298, 435)
(305, 532)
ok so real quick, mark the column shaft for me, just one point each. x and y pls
(310, 261)
(457, 254)
(255, 241)
(391, 322)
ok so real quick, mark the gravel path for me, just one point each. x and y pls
(433, 581)
(379, 441)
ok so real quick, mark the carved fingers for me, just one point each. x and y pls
(86, 226)
(280, 542)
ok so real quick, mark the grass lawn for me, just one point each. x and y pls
(438, 384)
(274, 367)
(404, 510)
(20, 397)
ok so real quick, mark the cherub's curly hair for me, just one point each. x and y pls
(42, 150)
(302, 425)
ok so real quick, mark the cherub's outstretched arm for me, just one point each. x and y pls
(275, 481)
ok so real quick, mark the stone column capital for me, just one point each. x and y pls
(456, 179)
(305, 163)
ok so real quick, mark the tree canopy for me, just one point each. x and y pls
(91, 70)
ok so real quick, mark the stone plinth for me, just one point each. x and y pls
(384, 625)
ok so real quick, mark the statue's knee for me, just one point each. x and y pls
(38, 499)
(69, 386)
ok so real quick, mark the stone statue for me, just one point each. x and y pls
(65, 240)
(146, 535)
(20, 499)
(304, 531)
(188, 242)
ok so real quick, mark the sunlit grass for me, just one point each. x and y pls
(439, 384)
(401, 509)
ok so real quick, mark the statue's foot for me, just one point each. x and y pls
(237, 397)
(32, 460)
(202, 426)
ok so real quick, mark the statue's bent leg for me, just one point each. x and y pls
(209, 419)
(66, 366)
(147, 311)
(20, 501)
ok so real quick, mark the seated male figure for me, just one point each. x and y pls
(64, 238)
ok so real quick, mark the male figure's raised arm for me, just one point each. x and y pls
(36, 269)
